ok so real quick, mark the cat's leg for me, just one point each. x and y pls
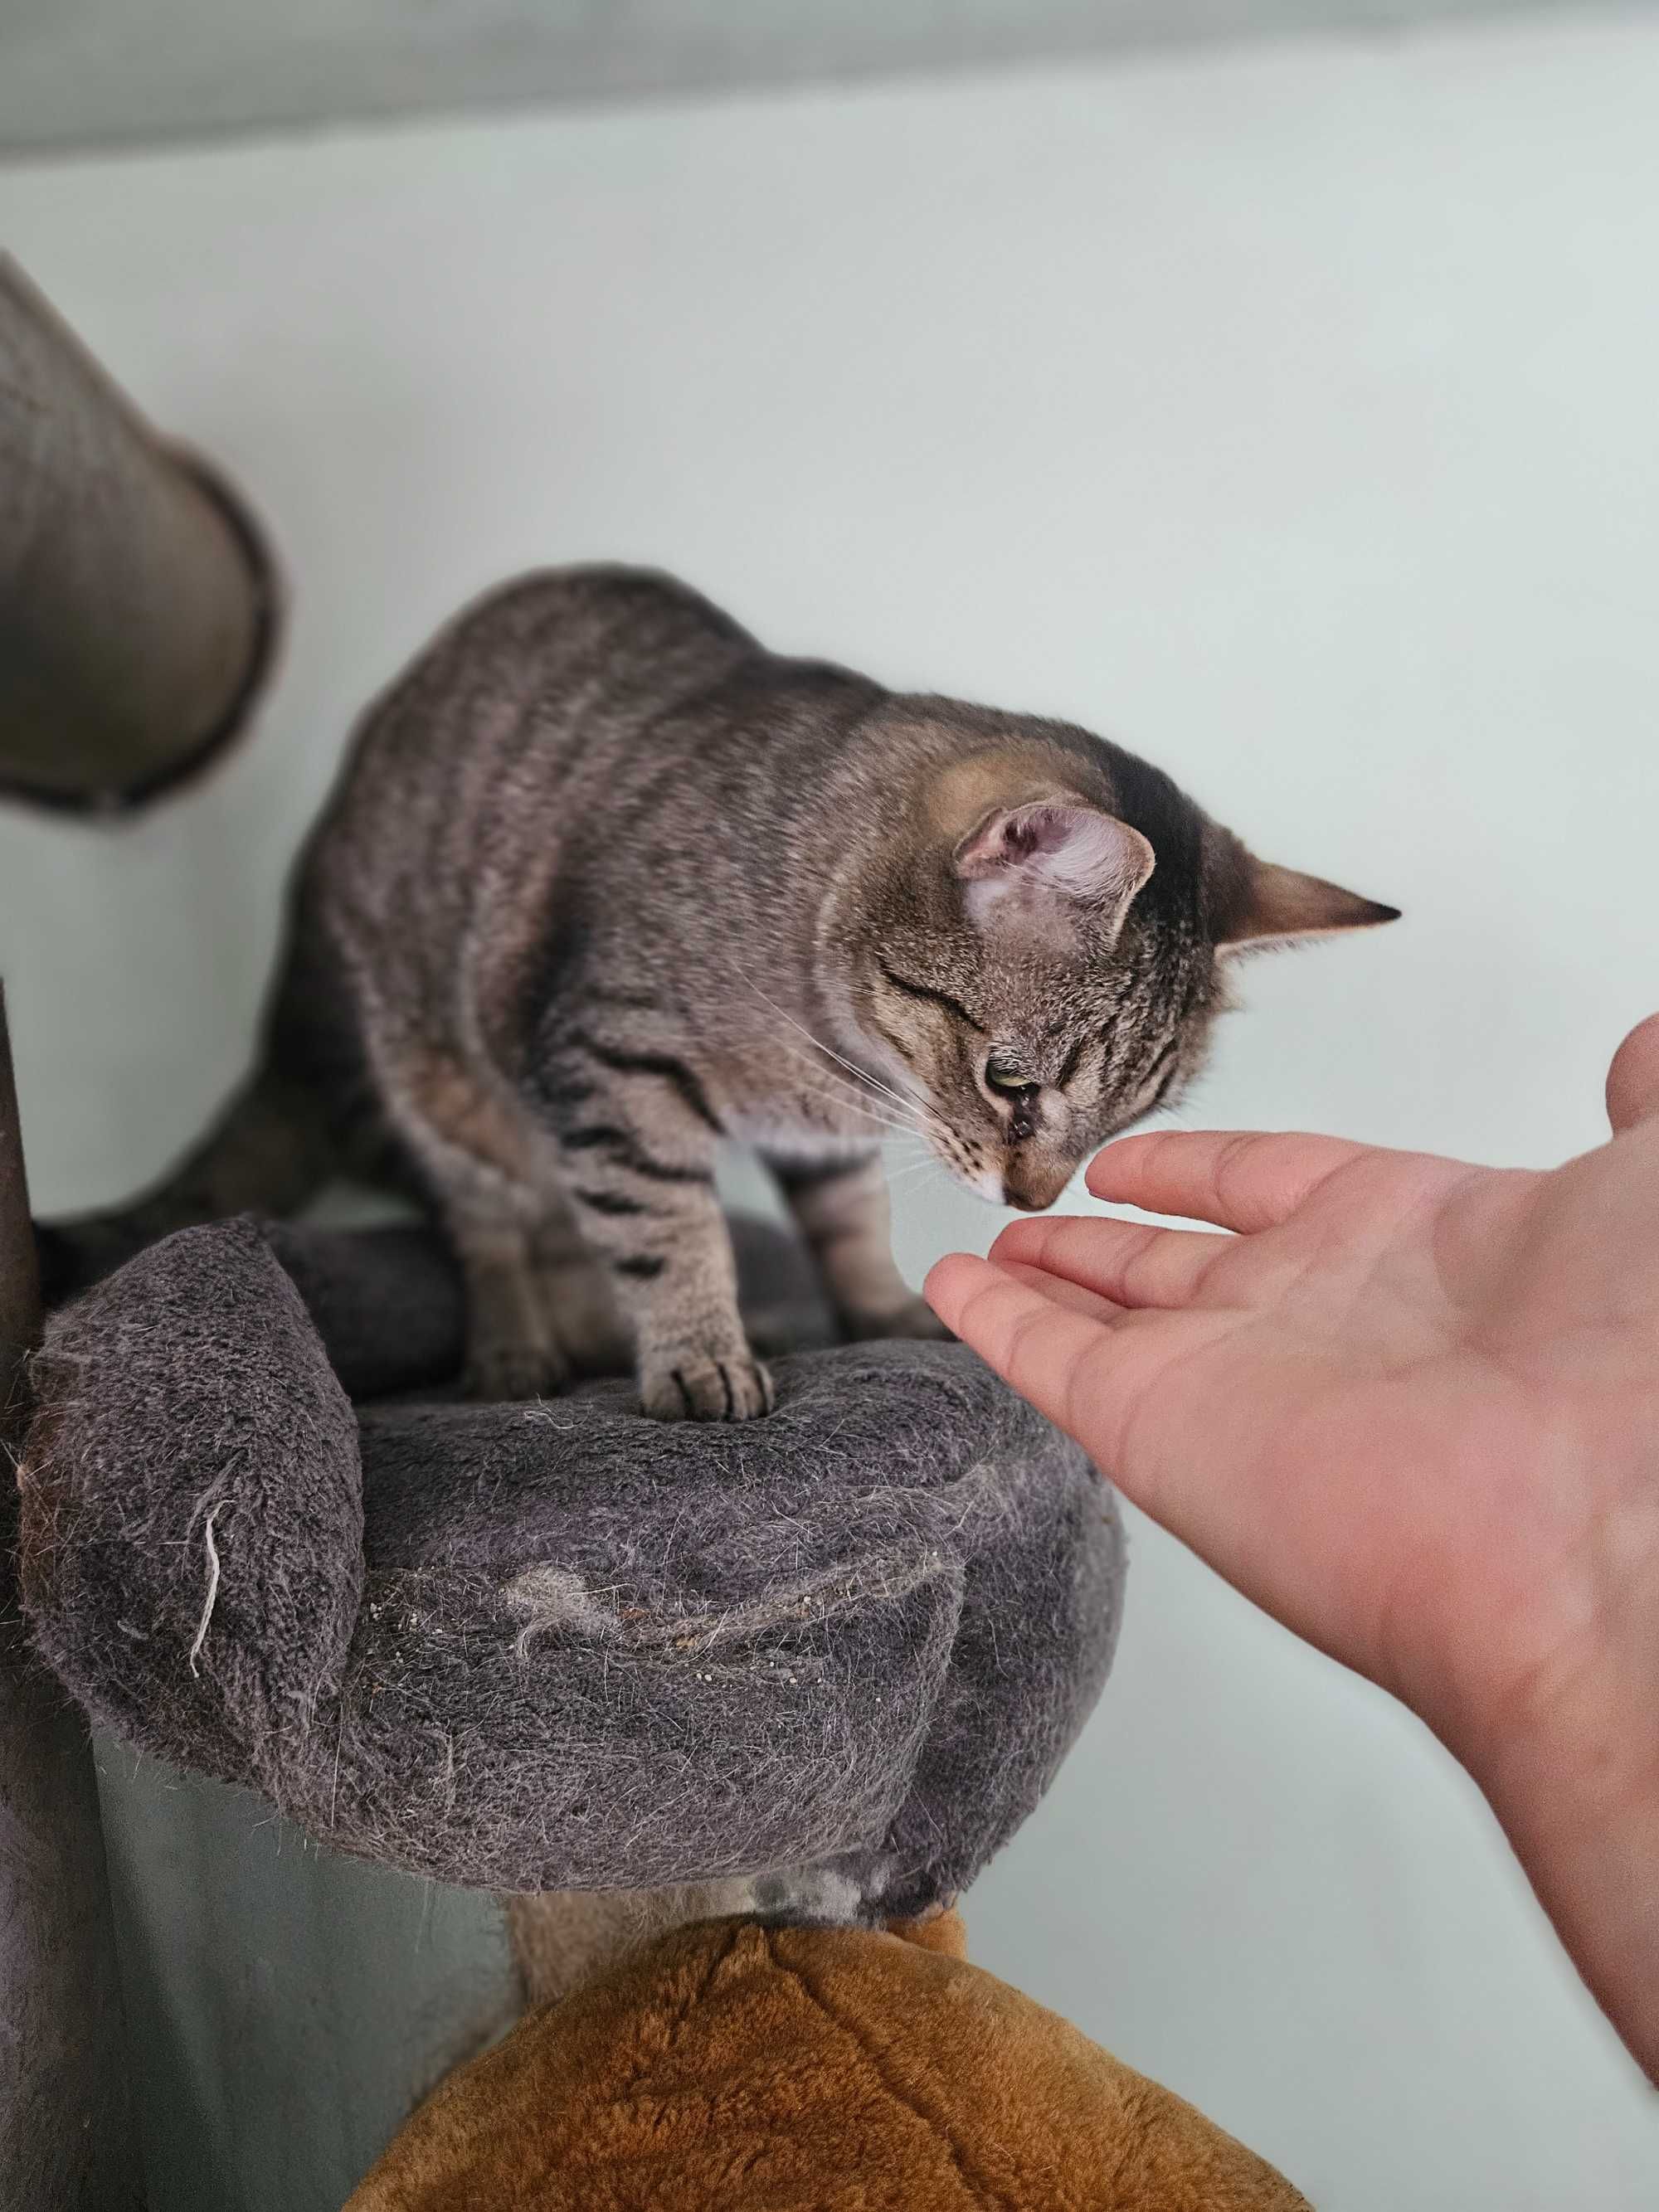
(643, 1190)
(577, 1302)
(510, 1351)
(541, 1310)
(841, 1208)
(491, 1175)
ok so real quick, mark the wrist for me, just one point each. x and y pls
(1573, 1778)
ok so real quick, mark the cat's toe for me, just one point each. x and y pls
(495, 1371)
(916, 1319)
(697, 1388)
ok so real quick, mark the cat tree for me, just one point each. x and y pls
(138, 611)
(839, 1653)
(137, 598)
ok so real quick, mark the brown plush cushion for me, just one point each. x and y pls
(734, 2068)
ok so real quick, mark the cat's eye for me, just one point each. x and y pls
(1009, 1082)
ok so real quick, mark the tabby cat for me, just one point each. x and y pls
(603, 880)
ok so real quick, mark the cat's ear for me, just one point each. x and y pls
(1023, 863)
(1278, 906)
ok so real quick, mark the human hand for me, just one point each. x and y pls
(1412, 1409)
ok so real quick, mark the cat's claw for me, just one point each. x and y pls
(697, 1388)
(495, 1371)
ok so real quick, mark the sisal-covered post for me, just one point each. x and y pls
(67, 2138)
(137, 605)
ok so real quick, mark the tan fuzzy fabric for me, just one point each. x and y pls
(735, 2067)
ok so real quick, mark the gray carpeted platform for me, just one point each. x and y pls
(557, 1645)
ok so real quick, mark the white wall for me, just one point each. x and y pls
(1291, 416)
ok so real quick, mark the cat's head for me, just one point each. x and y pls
(1042, 955)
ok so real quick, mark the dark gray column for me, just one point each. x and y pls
(136, 599)
(67, 2142)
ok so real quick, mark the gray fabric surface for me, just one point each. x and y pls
(557, 1645)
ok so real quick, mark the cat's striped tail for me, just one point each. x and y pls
(267, 1154)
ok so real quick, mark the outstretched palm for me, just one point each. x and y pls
(1411, 1407)
(1350, 1406)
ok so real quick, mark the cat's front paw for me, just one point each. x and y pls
(502, 1368)
(694, 1385)
(915, 1319)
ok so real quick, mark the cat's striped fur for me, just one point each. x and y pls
(603, 880)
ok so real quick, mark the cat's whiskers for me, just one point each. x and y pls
(844, 1095)
(913, 1184)
(908, 1173)
(907, 1105)
(860, 1088)
(851, 1105)
(911, 1172)
(913, 1116)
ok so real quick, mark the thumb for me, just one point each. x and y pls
(1633, 1078)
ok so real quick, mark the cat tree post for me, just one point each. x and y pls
(137, 607)
(138, 613)
(66, 2142)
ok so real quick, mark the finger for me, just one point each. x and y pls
(1073, 1296)
(1131, 1262)
(1633, 1079)
(1033, 1343)
(1239, 1179)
